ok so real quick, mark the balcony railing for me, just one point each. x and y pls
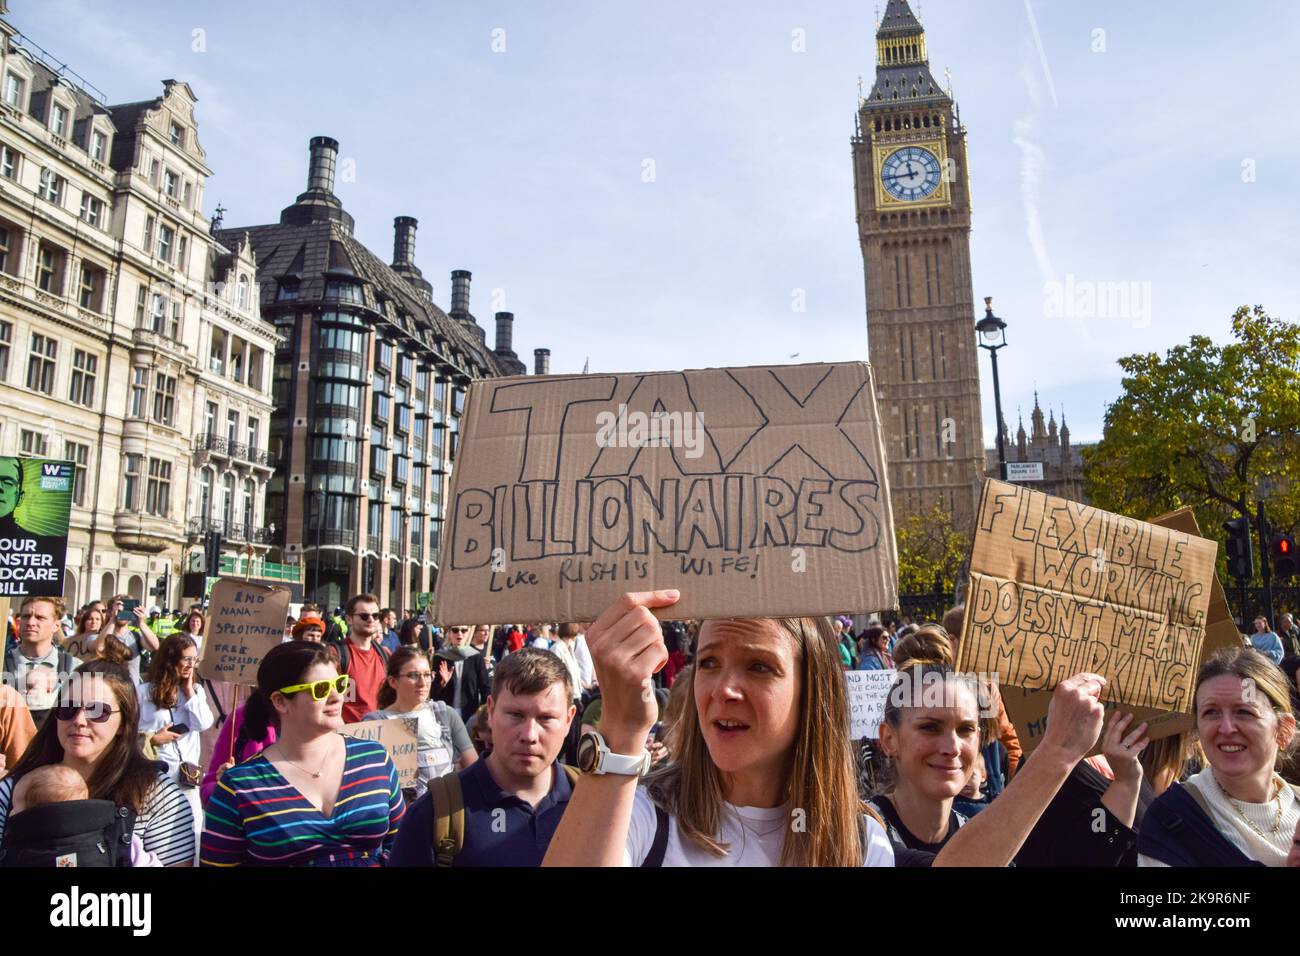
(230, 530)
(266, 570)
(221, 445)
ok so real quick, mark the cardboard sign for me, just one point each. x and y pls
(244, 622)
(398, 737)
(1057, 587)
(35, 503)
(868, 691)
(1027, 709)
(757, 492)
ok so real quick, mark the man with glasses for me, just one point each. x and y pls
(35, 665)
(362, 657)
(460, 679)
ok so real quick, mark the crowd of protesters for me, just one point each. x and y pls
(630, 740)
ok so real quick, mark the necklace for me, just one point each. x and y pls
(1240, 807)
(314, 776)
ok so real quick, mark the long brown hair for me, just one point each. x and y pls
(820, 777)
(164, 672)
(122, 773)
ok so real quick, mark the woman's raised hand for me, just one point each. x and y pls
(1075, 716)
(627, 648)
(1122, 747)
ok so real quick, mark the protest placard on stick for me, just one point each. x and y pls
(754, 491)
(245, 621)
(398, 736)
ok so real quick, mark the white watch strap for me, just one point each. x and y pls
(610, 762)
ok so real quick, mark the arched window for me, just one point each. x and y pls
(243, 292)
(246, 504)
(227, 499)
(205, 493)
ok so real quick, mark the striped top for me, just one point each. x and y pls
(255, 817)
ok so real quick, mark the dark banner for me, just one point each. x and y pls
(35, 502)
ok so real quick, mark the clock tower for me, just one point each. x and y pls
(913, 210)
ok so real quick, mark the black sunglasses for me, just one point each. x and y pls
(95, 711)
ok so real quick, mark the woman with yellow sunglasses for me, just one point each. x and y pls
(314, 797)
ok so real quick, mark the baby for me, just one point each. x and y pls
(55, 783)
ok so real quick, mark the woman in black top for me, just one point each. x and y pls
(931, 737)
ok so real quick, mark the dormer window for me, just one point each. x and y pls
(176, 135)
(15, 86)
(97, 143)
(288, 289)
(243, 292)
(59, 121)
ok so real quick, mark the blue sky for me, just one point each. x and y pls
(1158, 154)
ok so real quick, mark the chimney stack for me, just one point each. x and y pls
(404, 240)
(318, 203)
(460, 293)
(541, 361)
(505, 333)
(324, 157)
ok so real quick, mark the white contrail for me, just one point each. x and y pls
(1032, 163)
(1042, 53)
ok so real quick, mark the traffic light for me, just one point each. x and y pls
(212, 553)
(1283, 554)
(160, 590)
(1241, 557)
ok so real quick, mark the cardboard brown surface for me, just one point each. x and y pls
(1057, 587)
(1027, 709)
(245, 621)
(398, 736)
(756, 492)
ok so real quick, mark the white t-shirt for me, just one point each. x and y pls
(755, 835)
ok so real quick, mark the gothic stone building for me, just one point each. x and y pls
(913, 213)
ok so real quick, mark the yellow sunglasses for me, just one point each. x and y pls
(320, 689)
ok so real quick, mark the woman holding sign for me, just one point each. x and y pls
(1237, 811)
(444, 744)
(313, 798)
(764, 774)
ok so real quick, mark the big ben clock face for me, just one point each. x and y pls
(910, 173)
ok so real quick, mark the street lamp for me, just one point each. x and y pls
(993, 336)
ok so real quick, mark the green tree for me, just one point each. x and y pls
(1207, 426)
(929, 549)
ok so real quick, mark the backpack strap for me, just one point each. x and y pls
(447, 833)
(658, 848)
(341, 648)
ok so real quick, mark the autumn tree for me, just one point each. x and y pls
(1213, 427)
(929, 549)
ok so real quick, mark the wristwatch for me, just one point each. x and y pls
(594, 756)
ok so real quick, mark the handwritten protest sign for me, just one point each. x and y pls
(1027, 709)
(398, 736)
(755, 491)
(244, 622)
(868, 691)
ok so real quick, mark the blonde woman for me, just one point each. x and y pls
(1237, 811)
(764, 774)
